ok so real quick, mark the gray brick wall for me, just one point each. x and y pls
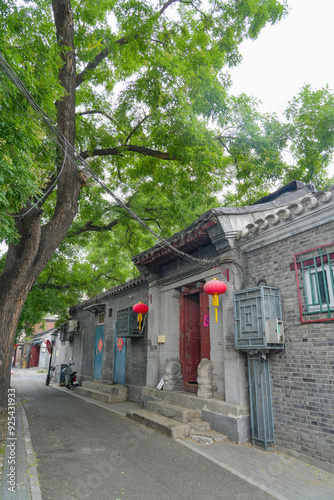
(84, 344)
(302, 375)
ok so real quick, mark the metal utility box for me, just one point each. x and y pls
(71, 326)
(67, 330)
(127, 324)
(260, 401)
(61, 374)
(258, 319)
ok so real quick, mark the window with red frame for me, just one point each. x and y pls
(315, 280)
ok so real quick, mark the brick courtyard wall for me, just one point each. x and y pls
(84, 343)
(302, 376)
(82, 347)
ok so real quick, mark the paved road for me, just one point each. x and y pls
(84, 451)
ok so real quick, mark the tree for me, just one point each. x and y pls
(310, 129)
(135, 84)
(264, 152)
(260, 152)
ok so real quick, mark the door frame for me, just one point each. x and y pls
(119, 372)
(99, 335)
(204, 329)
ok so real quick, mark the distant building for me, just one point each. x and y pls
(44, 326)
(31, 352)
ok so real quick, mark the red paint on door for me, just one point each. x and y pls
(205, 330)
(194, 336)
(34, 356)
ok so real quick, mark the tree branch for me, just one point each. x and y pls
(136, 127)
(153, 220)
(192, 4)
(166, 5)
(106, 51)
(119, 149)
(89, 226)
(51, 286)
(221, 141)
(95, 111)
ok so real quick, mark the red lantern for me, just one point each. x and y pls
(215, 288)
(140, 309)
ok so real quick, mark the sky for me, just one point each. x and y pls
(297, 50)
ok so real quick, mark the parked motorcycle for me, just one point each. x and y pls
(70, 377)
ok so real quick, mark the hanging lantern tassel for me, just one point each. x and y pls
(140, 309)
(140, 319)
(215, 288)
(215, 303)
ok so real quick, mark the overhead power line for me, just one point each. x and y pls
(71, 153)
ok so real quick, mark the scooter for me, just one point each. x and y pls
(70, 377)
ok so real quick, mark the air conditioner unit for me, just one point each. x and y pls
(71, 326)
(275, 331)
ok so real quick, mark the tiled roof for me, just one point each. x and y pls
(288, 212)
(231, 219)
(140, 280)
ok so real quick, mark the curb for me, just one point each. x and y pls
(19, 466)
(31, 465)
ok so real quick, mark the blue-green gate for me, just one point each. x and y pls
(119, 358)
(259, 331)
(261, 408)
(99, 334)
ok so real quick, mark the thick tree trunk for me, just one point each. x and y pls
(26, 260)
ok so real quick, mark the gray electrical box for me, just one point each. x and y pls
(258, 319)
(127, 324)
(61, 374)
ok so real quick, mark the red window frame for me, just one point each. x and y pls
(320, 258)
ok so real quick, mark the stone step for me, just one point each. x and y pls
(160, 423)
(101, 387)
(103, 392)
(188, 400)
(178, 413)
(200, 425)
(226, 418)
(207, 437)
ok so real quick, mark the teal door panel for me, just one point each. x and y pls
(99, 346)
(119, 358)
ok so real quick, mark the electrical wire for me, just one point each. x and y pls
(71, 153)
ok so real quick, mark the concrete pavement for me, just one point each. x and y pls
(19, 476)
(278, 474)
(221, 470)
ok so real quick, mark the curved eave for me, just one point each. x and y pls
(188, 241)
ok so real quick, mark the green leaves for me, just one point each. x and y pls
(311, 132)
(26, 154)
(153, 118)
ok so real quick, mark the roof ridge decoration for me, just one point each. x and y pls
(296, 208)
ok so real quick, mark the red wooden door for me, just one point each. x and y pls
(204, 325)
(34, 356)
(194, 336)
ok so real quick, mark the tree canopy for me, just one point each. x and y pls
(142, 91)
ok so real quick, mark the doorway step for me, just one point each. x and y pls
(229, 419)
(176, 422)
(105, 393)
